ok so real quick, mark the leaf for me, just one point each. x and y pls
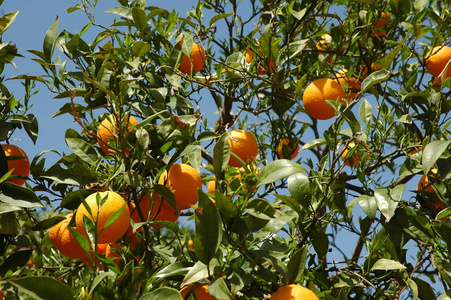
(388, 199)
(139, 18)
(6, 208)
(387, 264)
(198, 272)
(219, 17)
(73, 200)
(121, 11)
(314, 143)
(178, 268)
(31, 127)
(140, 48)
(221, 154)
(208, 229)
(14, 261)
(162, 293)
(299, 187)
(296, 265)
(425, 291)
(368, 205)
(6, 20)
(83, 150)
(74, 175)
(373, 79)
(431, 154)
(446, 295)
(19, 196)
(43, 288)
(50, 41)
(98, 279)
(278, 170)
(365, 111)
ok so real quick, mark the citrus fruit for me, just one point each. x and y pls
(266, 65)
(193, 63)
(354, 159)
(437, 59)
(191, 245)
(63, 240)
(353, 84)
(17, 161)
(424, 183)
(161, 210)
(378, 28)
(287, 147)
(200, 292)
(316, 94)
(100, 215)
(249, 56)
(321, 45)
(293, 292)
(107, 133)
(184, 181)
(244, 145)
(211, 186)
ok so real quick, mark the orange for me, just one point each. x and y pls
(104, 249)
(321, 45)
(211, 186)
(424, 183)
(294, 292)
(195, 62)
(354, 159)
(184, 181)
(161, 210)
(108, 132)
(352, 84)
(100, 215)
(191, 245)
(316, 94)
(437, 59)
(63, 240)
(200, 292)
(17, 161)
(268, 64)
(244, 145)
(378, 28)
(293, 149)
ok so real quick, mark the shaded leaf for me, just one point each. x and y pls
(43, 288)
(431, 154)
(18, 195)
(162, 293)
(14, 261)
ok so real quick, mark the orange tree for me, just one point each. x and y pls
(343, 231)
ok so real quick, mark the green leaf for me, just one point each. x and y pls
(431, 154)
(73, 200)
(6, 20)
(178, 268)
(74, 175)
(219, 290)
(139, 18)
(18, 196)
(368, 205)
(278, 170)
(140, 48)
(82, 149)
(208, 229)
(121, 11)
(9, 223)
(388, 199)
(14, 261)
(221, 154)
(6, 208)
(197, 273)
(98, 279)
(365, 111)
(50, 41)
(219, 17)
(31, 127)
(162, 293)
(446, 295)
(43, 288)
(296, 265)
(374, 78)
(425, 291)
(387, 264)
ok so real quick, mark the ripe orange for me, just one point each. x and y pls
(108, 132)
(200, 292)
(294, 292)
(353, 84)
(321, 45)
(184, 181)
(424, 183)
(244, 145)
(292, 149)
(211, 186)
(161, 210)
(437, 59)
(378, 28)
(354, 159)
(17, 160)
(316, 94)
(195, 62)
(267, 65)
(63, 240)
(100, 215)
